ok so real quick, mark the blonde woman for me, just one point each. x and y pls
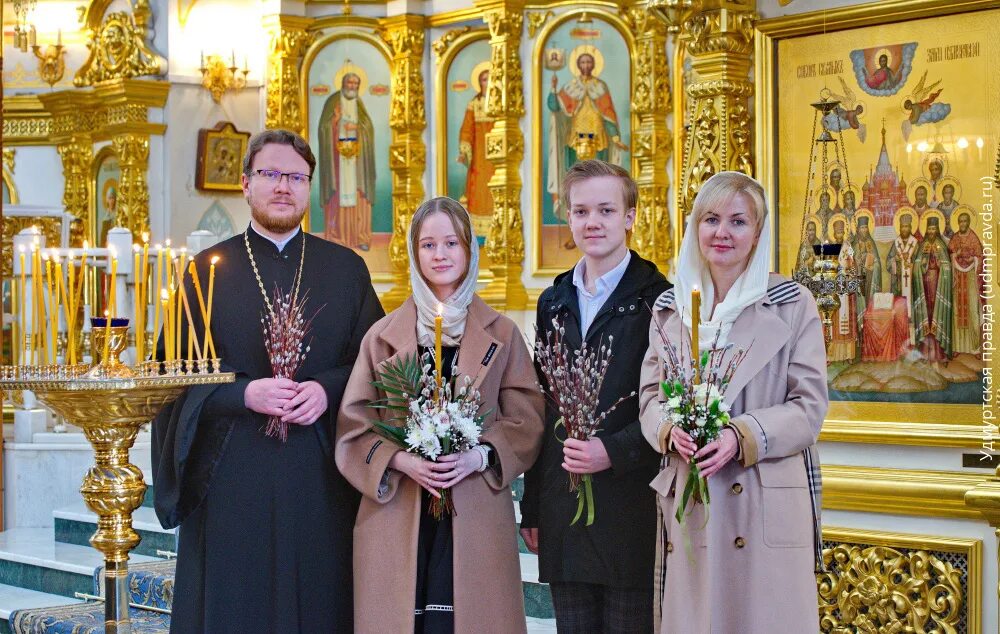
(414, 573)
(747, 566)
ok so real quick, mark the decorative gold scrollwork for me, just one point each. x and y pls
(133, 194)
(118, 49)
(879, 589)
(536, 19)
(442, 43)
(77, 153)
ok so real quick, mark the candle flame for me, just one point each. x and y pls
(145, 236)
(215, 259)
(135, 247)
(21, 249)
(86, 245)
(440, 308)
(113, 252)
(167, 242)
(158, 246)
(164, 295)
(107, 314)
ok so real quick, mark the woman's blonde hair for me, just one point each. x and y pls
(719, 190)
(459, 220)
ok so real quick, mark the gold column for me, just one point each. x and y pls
(719, 39)
(652, 145)
(289, 39)
(132, 150)
(77, 153)
(407, 154)
(985, 498)
(505, 149)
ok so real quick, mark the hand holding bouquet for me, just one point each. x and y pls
(697, 407)
(574, 381)
(427, 420)
(285, 329)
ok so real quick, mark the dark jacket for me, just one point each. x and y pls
(618, 548)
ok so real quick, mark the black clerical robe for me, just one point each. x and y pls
(265, 526)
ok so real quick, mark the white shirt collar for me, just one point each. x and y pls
(280, 244)
(605, 283)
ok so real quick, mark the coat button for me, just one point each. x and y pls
(740, 542)
(632, 307)
(621, 309)
(670, 547)
(737, 488)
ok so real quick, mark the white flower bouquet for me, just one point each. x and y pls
(427, 419)
(693, 400)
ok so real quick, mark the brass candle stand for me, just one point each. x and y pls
(111, 401)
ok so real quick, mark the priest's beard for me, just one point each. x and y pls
(273, 222)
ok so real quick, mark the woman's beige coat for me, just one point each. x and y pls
(750, 570)
(487, 576)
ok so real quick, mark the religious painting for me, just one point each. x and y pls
(107, 175)
(898, 183)
(220, 157)
(347, 79)
(463, 169)
(583, 80)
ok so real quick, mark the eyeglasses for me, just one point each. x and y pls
(274, 177)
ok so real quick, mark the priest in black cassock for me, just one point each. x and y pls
(265, 524)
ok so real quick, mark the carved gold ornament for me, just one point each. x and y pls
(879, 589)
(51, 62)
(442, 43)
(118, 49)
(535, 21)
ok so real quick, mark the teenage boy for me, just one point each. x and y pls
(601, 575)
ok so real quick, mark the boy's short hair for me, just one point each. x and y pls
(595, 168)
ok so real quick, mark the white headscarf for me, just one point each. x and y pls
(455, 308)
(692, 270)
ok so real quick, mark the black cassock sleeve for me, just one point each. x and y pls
(531, 498)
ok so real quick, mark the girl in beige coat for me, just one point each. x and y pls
(750, 568)
(462, 573)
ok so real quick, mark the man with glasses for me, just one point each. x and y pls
(266, 522)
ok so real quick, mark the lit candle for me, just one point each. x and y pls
(111, 304)
(107, 338)
(16, 325)
(83, 275)
(192, 345)
(179, 272)
(695, 319)
(36, 305)
(61, 299)
(71, 307)
(168, 321)
(159, 293)
(52, 306)
(137, 298)
(209, 342)
(193, 270)
(22, 314)
(164, 298)
(438, 319)
(143, 296)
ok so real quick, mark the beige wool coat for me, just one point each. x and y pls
(487, 576)
(750, 569)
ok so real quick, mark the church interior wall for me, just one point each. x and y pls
(177, 207)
